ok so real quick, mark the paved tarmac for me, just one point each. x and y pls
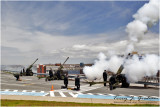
(32, 86)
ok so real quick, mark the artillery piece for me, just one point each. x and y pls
(58, 74)
(27, 73)
(28, 70)
(117, 78)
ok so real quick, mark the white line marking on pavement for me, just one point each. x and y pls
(15, 90)
(100, 94)
(61, 93)
(52, 94)
(42, 92)
(24, 90)
(73, 94)
(133, 96)
(79, 93)
(142, 96)
(154, 96)
(111, 94)
(88, 88)
(33, 91)
(6, 90)
(46, 94)
(89, 93)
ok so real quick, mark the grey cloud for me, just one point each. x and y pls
(26, 43)
(149, 44)
(55, 48)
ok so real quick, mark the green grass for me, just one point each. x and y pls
(54, 103)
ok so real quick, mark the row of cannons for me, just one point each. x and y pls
(59, 74)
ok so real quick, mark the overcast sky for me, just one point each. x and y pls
(52, 30)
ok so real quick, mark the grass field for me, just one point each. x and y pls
(53, 103)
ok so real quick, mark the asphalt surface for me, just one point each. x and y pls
(32, 84)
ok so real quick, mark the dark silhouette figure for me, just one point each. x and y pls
(23, 71)
(17, 76)
(66, 81)
(50, 73)
(112, 81)
(59, 74)
(158, 74)
(104, 77)
(77, 82)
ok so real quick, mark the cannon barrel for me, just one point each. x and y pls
(61, 66)
(32, 64)
(119, 78)
(59, 74)
(122, 67)
(65, 61)
(120, 70)
(29, 70)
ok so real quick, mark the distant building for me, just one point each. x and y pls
(66, 67)
(41, 69)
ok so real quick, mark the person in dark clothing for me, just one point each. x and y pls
(59, 74)
(66, 81)
(77, 82)
(105, 77)
(17, 76)
(21, 73)
(112, 81)
(158, 74)
(27, 72)
(50, 73)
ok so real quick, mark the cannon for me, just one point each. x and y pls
(23, 73)
(29, 70)
(118, 78)
(58, 74)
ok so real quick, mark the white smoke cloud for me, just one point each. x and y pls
(134, 68)
(96, 71)
(149, 13)
(114, 63)
(145, 17)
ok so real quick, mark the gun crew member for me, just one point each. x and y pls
(23, 70)
(77, 82)
(50, 73)
(17, 77)
(105, 77)
(66, 81)
(158, 74)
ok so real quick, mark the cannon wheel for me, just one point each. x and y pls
(112, 81)
(62, 77)
(125, 84)
(31, 73)
(55, 77)
(46, 79)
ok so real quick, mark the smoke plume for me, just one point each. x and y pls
(96, 71)
(134, 68)
(146, 16)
